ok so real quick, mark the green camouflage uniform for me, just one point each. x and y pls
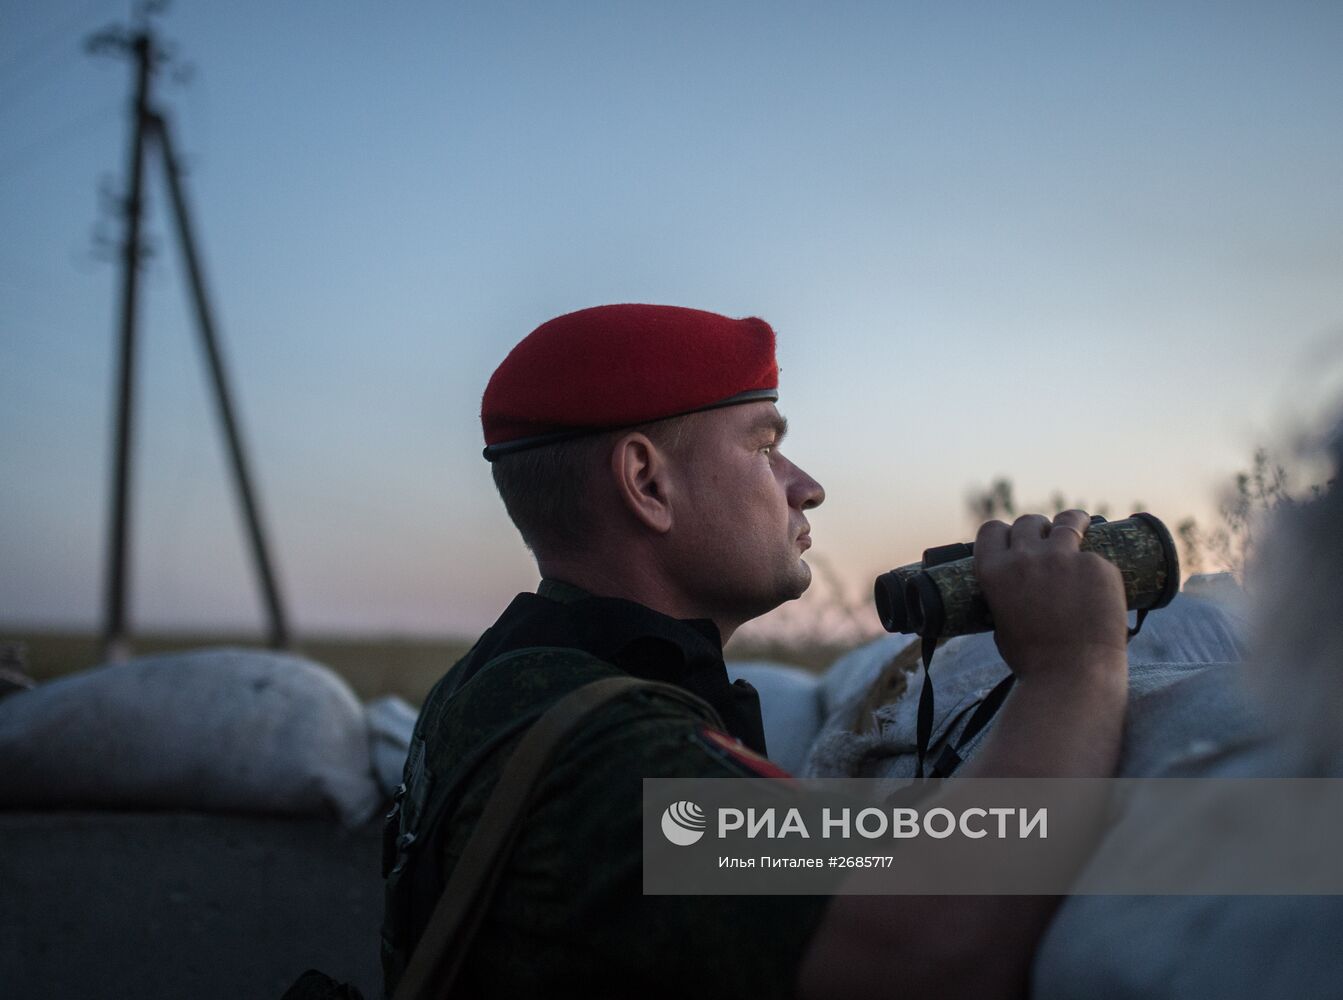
(569, 916)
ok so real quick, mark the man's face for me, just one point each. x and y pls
(739, 513)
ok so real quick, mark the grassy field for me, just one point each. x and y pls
(373, 666)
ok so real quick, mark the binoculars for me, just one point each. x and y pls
(939, 597)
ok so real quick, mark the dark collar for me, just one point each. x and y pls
(640, 641)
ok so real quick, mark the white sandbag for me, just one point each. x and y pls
(790, 704)
(221, 729)
(849, 678)
(1169, 709)
(965, 670)
(1191, 947)
(391, 722)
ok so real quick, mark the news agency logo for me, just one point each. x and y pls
(683, 823)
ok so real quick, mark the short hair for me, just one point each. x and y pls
(547, 490)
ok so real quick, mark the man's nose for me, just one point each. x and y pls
(805, 492)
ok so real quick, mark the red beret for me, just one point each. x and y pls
(616, 366)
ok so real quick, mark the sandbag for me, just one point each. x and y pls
(1183, 693)
(221, 729)
(1229, 947)
(790, 705)
(1191, 947)
(391, 723)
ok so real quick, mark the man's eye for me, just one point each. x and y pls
(768, 449)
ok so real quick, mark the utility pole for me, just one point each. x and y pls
(115, 644)
(150, 126)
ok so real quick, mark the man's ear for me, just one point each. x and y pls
(643, 481)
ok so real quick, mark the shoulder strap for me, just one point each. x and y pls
(437, 959)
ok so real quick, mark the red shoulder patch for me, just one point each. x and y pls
(731, 749)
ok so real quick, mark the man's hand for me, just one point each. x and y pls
(1055, 608)
(1059, 618)
(1060, 624)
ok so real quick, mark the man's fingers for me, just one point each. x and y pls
(1069, 526)
(1065, 532)
(1033, 531)
(1028, 532)
(992, 537)
(1078, 519)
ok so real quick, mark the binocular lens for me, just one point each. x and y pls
(889, 594)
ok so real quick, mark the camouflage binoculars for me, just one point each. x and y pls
(939, 597)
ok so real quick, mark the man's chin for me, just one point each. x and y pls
(803, 580)
(786, 589)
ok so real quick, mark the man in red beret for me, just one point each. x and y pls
(637, 449)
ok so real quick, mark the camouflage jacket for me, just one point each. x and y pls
(569, 916)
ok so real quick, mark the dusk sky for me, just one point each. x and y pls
(1094, 247)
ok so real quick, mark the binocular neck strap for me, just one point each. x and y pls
(1137, 625)
(924, 731)
(950, 757)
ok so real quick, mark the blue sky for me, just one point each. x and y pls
(1093, 247)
